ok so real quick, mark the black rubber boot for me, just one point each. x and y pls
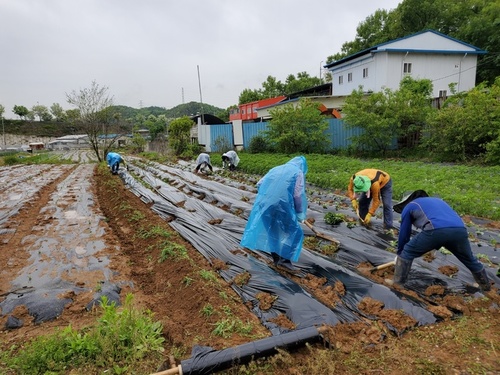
(276, 258)
(482, 279)
(287, 266)
(401, 271)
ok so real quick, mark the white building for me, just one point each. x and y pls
(425, 55)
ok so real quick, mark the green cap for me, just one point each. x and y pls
(361, 184)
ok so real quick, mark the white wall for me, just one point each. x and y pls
(238, 133)
(356, 68)
(204, 136)
(385, 70)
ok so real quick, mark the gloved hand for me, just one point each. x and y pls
(368, 217)
(355, 204)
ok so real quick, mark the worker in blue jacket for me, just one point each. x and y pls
(440, 227)
(281, 203)
(114, 159)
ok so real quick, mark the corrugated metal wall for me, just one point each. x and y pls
(250, 130)
(221, 133)
(339, 134)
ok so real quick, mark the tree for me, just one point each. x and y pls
(412, 107)
(386, 115)
(224, 114)
(372, 113)
(302, 82)
(248, 96)
(2, 110)
(138, 142)
(483, 30)
(156, 125)
(179, 134)
(21, 111)
(58, 112)
(72, 115)
(94, 105)
(375, 29)
(42, 112)
(468, 126)
(299, 128)
(272, 88)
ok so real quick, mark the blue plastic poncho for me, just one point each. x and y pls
(112, 158)
(281, 202)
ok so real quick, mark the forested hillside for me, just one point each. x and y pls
(187, 109)
(123, 119)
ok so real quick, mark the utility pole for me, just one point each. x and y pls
(320, 70)
(201, 99)
(3, 129)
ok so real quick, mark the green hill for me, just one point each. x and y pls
(187, 109)
(127, 116)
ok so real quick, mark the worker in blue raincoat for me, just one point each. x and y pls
(281, 203)
(114, 159)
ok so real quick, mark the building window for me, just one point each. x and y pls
(407, 68)
(349, 77)
(442, 93)
(365, 73)
(341, 80)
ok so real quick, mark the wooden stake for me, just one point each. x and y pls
(322, 235)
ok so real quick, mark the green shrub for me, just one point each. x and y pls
(258, 144)
(11, 160)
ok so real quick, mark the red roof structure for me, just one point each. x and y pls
(248, 111)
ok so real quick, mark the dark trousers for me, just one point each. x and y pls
(455, 240)
(386, 197)
(201, 167)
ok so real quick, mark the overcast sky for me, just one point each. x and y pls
(147, 52)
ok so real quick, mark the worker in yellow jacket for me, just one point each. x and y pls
(365, 189)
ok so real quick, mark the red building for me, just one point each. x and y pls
(248, 111)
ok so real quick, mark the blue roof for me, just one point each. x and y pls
(477, 51)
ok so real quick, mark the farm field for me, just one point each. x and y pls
(72, 233)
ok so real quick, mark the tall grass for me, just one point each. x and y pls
(121, 337)
(38, 158)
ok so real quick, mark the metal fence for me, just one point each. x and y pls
(338, 134)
